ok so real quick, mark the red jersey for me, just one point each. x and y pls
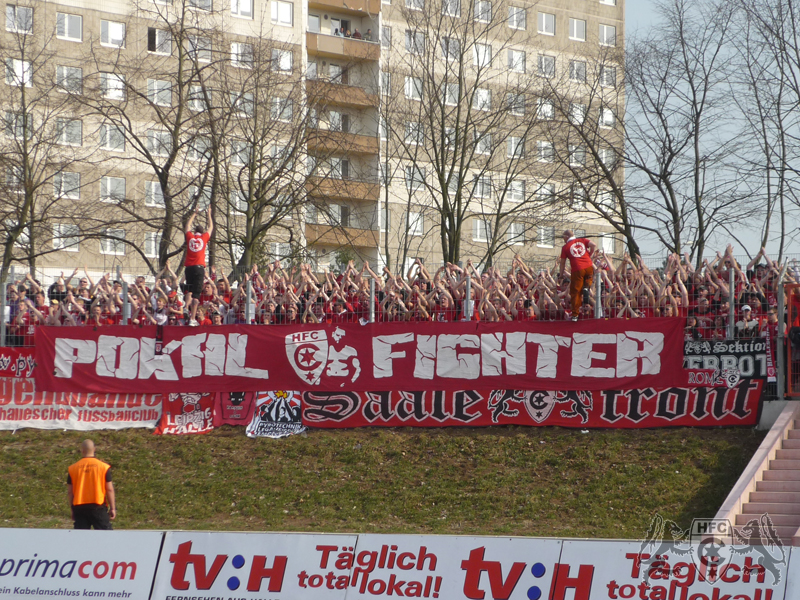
(196, 244)
(577, 251)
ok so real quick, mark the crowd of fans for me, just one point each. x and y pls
(296, 295)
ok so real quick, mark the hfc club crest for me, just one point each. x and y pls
(310, 353)
(541, 403)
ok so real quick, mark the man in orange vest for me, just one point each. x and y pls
(90, 489)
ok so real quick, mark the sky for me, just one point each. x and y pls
(639, 16)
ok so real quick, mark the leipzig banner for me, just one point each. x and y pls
(22, 405)
(670, 407)
(588, 355)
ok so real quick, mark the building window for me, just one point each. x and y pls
(113, 242)
(66, 236)
(516, 147)
(482, 187)
(282, 60)
(159, 92)
(67, 185)
(18, 125)
(608, 243)
(384, 217)
(196, 99)
(112, 189)
(577, 71)
(517, 18)
(159, 41)
(547, 23)
(577, 113)
(199, 48)
(242, 55)
(281, 109)
(544, 151)
(238, 201)
(201, 4)
(415, 178)
(516, 190)
(482, 55)
(449, 139)
(112, 33)
(413, 88)
(112, 86)
(577, 30)
(609, 2)
(386, 83)
(606, 117)
(282, 13)
(69, 79)
(152, 241)
(451, 48)
(482, 100)
(481, 229)
(386, 36)
(19, 19)
(415, 42)
(547, 237)
(198, 148)
(159, 143)
(201, 195)
(578, 194)
(483, 143)
(452, 91)
(18, 72)
(240, 153)
(516, 104)
(605, 200)
(414, 133)
(112, 138)
(69, 132)
(242, 104)
(608, 157)
(516, 61)
(314, 23)
(608, 35)
(545, 109)
(416, 223)
(153, 194)
(451, 8)
(577, 156)
(483, 11)
(242, 8)
(546, 66)
(608, 76)
(415, 4)
(516, 234)
(69, 27)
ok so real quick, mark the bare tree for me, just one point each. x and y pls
(41, 144)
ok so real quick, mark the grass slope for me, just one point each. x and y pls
(509, 480)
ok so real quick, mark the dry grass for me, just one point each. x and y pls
(502, 480)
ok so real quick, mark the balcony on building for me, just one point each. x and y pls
(336, 47)
(324, 141)
(343, 189)
(348, 7)
(341, 236)
(326, 92)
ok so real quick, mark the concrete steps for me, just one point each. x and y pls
(771, 482)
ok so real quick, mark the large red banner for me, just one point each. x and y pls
(590, 355)
(670, 407)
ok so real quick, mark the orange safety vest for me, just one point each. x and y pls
(88, 477)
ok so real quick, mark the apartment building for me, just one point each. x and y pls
(439, 129)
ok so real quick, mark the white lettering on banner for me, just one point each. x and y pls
(547, 358)
(449, 356)
(382, 354)
(628, 353)
(134, 358)
(583, 354)
(493, 354)
(454, 364)
(69, 352)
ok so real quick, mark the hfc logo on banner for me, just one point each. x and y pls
(310, 352)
